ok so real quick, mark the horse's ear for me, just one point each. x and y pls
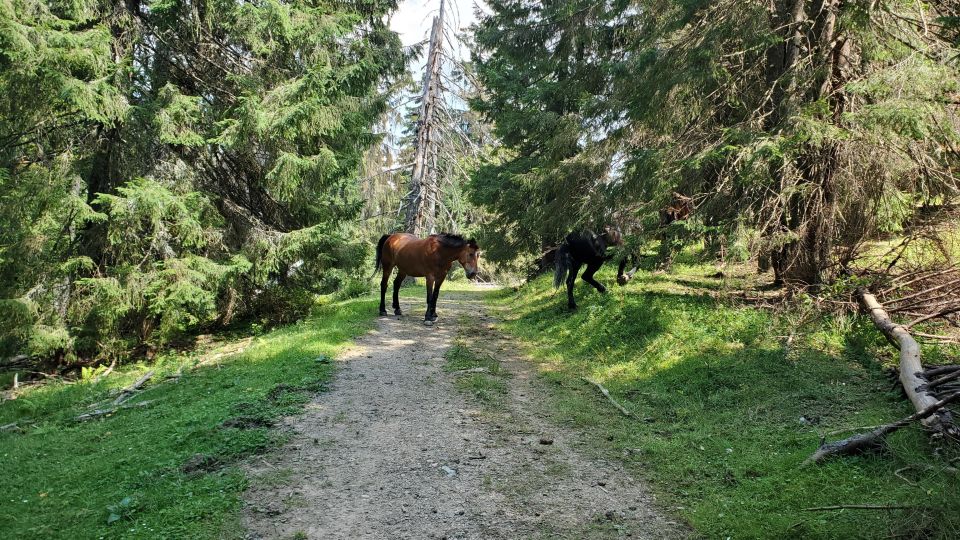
(473, 243)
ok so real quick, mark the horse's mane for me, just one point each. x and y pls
(454, 241)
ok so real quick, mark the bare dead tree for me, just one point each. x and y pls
(424, 190)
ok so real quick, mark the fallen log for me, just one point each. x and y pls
(939, 419)
(15, 362)
(606, 393)
(862, 441)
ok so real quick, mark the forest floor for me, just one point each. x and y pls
(442, 432)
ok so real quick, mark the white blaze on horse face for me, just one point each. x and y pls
(470, 261)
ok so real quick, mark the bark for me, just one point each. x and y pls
(422, 200)
(813, 211)
(910, 366)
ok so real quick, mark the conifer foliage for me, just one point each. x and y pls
(800, 128)
(170, 165)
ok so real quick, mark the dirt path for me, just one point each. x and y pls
(396, 450)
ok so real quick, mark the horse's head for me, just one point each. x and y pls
(469, 258)
(612, 235)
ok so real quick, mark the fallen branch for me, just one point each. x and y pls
(127, 392)
(229, 350)
(105, 412)
(946, 378)
(857, 443)
(858, 507)
(108, 371)
(15, 425)
(473, 370)
(932, 372)
(910, 365)
(606, 393)
(15, 362)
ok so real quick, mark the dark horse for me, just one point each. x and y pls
(590, 248)
(430, 257)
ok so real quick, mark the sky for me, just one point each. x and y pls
(413, 17)
(412, 22)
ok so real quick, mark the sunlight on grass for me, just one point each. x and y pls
(728, 412)
(66, 474)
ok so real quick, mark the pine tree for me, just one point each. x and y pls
(545, 70)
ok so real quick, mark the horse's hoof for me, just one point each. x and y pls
(428, 322)
(383, 313)
(396, 312)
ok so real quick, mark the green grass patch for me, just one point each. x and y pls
(168, 470)
(487, 386)
(726, 412)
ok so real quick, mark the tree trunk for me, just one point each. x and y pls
(910, 366)
(421, 201)
(813, 210)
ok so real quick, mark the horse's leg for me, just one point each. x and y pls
(387, 270)
(396, 292)
(436, 295)
(571, 278)
(592, 268)
(430, 280)
(623, 278)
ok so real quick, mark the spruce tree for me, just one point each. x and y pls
(169, 165)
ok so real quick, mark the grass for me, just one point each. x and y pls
(726, 412)
(488, 387)
(169, 470)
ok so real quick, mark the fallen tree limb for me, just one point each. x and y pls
(910, 366)
(16, 425)
(858, 507)
(859, 442)
(606, 393)
(937, 382)
(231, 349)
(108, 371)
(940, 371)
(105, 412)
(15, 362)
(127, 392)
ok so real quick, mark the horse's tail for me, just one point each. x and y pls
(376, 263)
(563, 263)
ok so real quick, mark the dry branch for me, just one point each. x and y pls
(858, 507)
(473, 370)
(910, 365)
(862, 441)
(937, 382)
(606, 393)
(105, 412)
(127, 392)
(940, 370)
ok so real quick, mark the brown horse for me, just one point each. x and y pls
(430, 257)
